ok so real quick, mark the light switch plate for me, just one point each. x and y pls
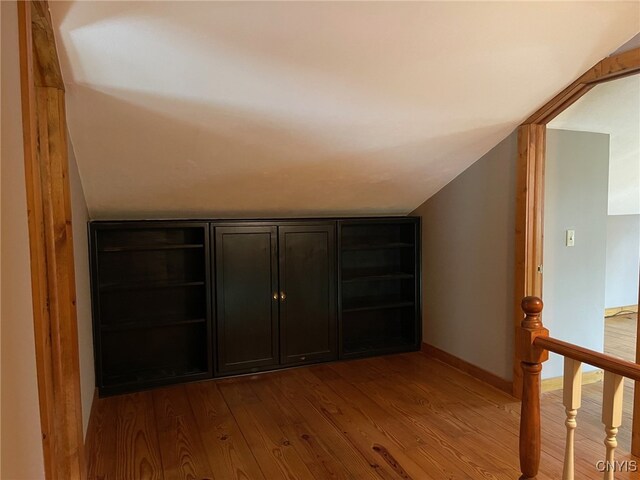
(571, 238)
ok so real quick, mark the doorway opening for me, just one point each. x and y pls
(592, 230)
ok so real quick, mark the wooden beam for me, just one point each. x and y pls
(47, 66)
(54, 169)
(559, 103)
(36, 239)
(529, 225)
(51, 245)
(615, 66)
(610, 68)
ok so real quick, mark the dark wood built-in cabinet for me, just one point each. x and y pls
(247, 298)
(379, 283)
(176, 301)
(308, 300)
(151, 304)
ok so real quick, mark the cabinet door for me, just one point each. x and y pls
(247, 312)
(307, 293)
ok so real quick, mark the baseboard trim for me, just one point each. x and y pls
(609, 312)
(468, 368)
(555, 383)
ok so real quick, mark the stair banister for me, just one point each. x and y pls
(531, 361)
(535, 345)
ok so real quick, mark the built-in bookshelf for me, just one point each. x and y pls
(151, 302)
(379, 286)
(185, 300)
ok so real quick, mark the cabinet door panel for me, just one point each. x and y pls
(308, 279)
(247, 313)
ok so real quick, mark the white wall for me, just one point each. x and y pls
(623, 260)
(80, 216)
(468, 241)
(576, 186)
(21, 452)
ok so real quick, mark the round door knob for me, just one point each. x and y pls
(275, 296)
(283, 296)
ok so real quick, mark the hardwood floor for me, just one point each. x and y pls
(620, 336)
(396, 417)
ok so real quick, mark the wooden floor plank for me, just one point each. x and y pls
(183, 453)
(373, 435)
(442, 433)
(468, 398)
(226, 448)
(405, 417)
(272, 449)
(322, 431)
(137, 439)
(449, 429)
(313, 453)
(102, 441)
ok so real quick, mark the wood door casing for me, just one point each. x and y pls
(530, 190)
(308, 312)
(247, 312)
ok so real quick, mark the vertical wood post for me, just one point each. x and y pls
(529, 209)
(612, 397)
(572, 396)
(51, 244)
(531, 361)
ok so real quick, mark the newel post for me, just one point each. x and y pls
(531, 361)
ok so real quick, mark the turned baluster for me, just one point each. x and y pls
(531, 361)
(612, 418)
(572, 396)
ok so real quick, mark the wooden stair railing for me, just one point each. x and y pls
(536, 345)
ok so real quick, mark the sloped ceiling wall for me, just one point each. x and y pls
(283, 109)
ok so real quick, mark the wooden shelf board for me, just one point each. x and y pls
(147, 285)
(373, 276)
(134, 248)
(376, 246)
(117, 327)
(379, 306)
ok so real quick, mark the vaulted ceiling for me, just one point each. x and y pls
(287, 108)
